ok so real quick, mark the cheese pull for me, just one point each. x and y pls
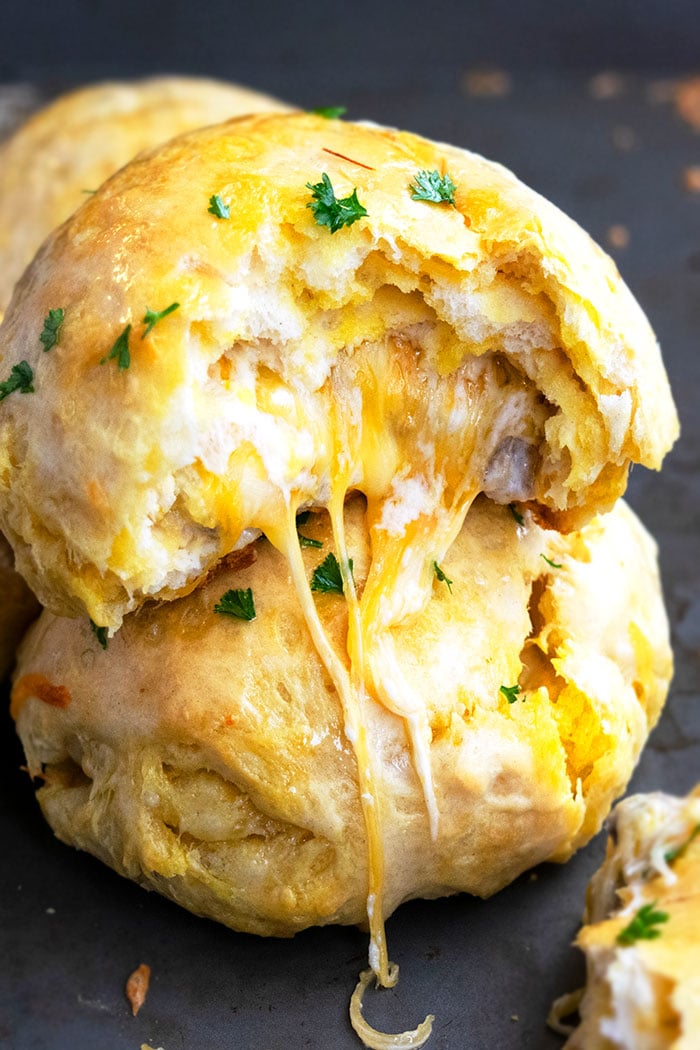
(428, 351)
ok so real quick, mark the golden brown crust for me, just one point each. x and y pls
(141, 499)
(206, 756)
(72, 145)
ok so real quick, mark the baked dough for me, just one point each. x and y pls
(422, 355)
(644, 995)
(206, 757)
(18, 608)
(79, 140)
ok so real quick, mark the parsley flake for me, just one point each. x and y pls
(554, 564)
(306, 541)
(440, 574)
(20, 378)
(52, 328)
(328, 210)
(238, 603)
(218, 208)
(434, 187)
(673, 854)
(100, 633)
(327, 577)
(330, 112)
(643, 925)
(516, 514)
(154, 316)
(511, 693)
(120, 351)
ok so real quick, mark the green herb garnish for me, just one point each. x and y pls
(643, 925)
(330, 112)
(120, 350)
(100, 633)
(440, 574)
(511, 693)
(218, 208)
(52, 328)
(154, 316)
(306, 541)
(434, 187)
(516, 514)
(20, 378)
(327, 577)
(673, 854)
(331, 212)
(554, 564)
(237, 603)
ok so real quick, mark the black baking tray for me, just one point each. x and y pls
(71, 931)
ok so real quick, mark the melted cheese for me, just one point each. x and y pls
(418, 443)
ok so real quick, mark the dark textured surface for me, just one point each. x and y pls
(72, 931)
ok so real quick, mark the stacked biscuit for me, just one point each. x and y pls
(443, 673)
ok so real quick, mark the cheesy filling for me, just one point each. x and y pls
(421, 446)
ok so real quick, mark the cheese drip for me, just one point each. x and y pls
(419, 445)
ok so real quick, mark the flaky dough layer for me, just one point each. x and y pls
(206, 757)
(295, 354)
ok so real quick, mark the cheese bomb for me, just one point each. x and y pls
(421, 355)
(206, 756)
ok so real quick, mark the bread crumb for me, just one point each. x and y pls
(623, 138)
(145, 1046)
(687, 100)
(606, 85)
(487, 83)
(618, 236)
(137, 987)
(515, 1017)
(533, 876)
(691, 179)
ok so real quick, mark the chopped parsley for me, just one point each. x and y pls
(100, 633)
(511, 693)
(331, 212)
(218, 208)
(330, 112)
(20, 378)
(440, 574)
(673, 854)
(238, 603)
(52, 328)
(154, 316)
(516, 514)
(120, 350)
(554, 564)
(643, 926)
(434, 187)
(327, 577)
(306, 541)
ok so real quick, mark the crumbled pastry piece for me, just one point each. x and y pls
(137, 987)
(641, 935)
